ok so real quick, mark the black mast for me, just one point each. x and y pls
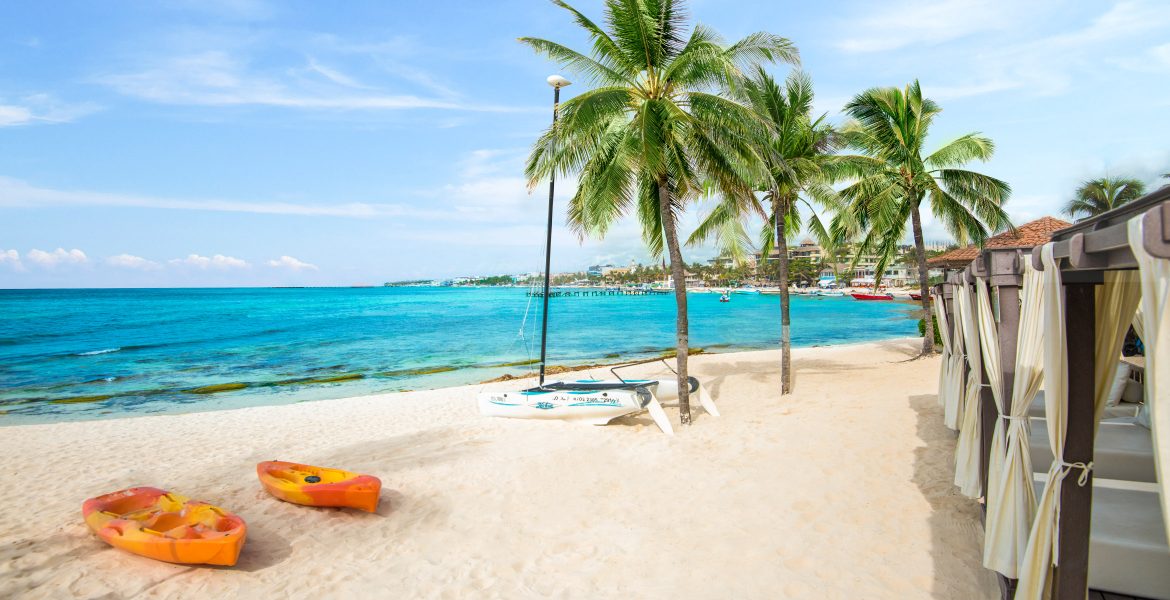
(557, 82)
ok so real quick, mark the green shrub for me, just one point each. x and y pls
(922, 329)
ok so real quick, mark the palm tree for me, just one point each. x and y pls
(1103, 195)
(655, 132)
(890, 126)
(795, 150)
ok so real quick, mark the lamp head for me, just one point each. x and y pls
(558, 82)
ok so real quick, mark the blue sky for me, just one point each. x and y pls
(243, 142)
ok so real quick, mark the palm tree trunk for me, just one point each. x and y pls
(678, 274)
(780, 210)
(923, 283)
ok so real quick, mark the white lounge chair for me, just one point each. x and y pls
(1122, 450)
(1121, 409)
(1128, 552)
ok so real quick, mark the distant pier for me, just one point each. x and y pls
(580, 293)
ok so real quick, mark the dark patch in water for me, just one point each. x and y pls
(329, 368)
(519, 363)
(219, 387)
(310, 380)
(420, 371)
(81, 399)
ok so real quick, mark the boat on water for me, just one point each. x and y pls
(770, 291)
(596, 403)
(725, 297)
(830, 294)
(862, 296)
(914, 296)
(747, 289)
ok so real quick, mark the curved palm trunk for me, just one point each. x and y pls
(780, 209)
(923, 284)
(678, 274)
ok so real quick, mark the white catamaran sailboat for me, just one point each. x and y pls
(592, 402)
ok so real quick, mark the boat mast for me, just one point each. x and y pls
(557, 82)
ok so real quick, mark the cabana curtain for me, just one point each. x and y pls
(952, 410)
(1116, 300)
(967, 475)
(944, 371)
(989, 349)
(1155, 284)
(1011, 499)
(1038, 556)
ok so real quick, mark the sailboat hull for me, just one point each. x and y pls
(594, 404)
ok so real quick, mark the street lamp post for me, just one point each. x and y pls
(557, 82)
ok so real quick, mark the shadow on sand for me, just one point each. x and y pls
(956, 530)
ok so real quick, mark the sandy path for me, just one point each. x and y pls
(841, 490)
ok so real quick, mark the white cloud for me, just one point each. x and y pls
(914, 22)
(14, 115)
(17, 193)
(288, 262)
(40, 109)
(57, 257)
(11, 259)
(129, 261)
(217, 78)
(1016, 49)
(218, 261)
(333, 75)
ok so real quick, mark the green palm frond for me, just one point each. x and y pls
(1102, 195)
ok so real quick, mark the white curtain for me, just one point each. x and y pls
(944, 369)
(1038, 555)
(989, 348)
(1116, 300)
(967, 475)
(1155, 283)
(953, 409)
(1011, 500)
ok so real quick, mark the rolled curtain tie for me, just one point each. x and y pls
(1023, 418)
(1064, 468)
(1085, 469)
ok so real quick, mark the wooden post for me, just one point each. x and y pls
(1006, 277)
(1071, 577)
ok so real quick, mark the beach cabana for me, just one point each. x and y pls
(1055, 318)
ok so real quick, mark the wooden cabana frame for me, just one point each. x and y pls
(1084, 251)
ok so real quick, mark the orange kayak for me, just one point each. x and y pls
(158, 524)
(319, 486)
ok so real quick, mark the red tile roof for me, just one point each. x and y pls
(1028, 235)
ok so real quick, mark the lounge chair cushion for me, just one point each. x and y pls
(1121, 409)
(1122, 450)
(1128, 553)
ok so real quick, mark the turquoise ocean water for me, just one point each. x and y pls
(85, 354)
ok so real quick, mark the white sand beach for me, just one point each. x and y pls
(841, 490)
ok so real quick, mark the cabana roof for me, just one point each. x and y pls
(1028, 235)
